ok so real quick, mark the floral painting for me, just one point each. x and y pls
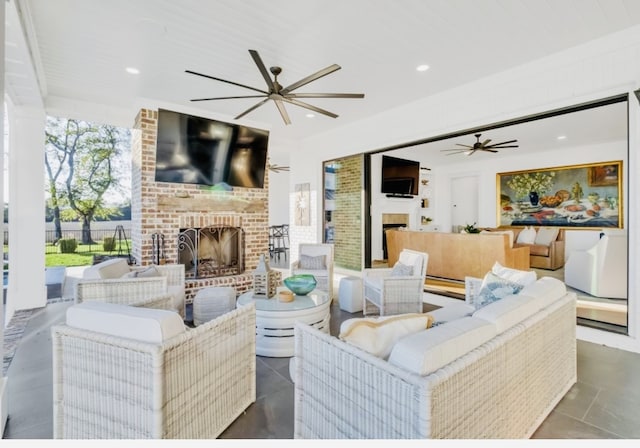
(567, 196)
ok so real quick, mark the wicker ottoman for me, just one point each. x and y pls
(212, 302)
(350, 294)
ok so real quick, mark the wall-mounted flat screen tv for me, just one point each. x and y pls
(196, 150)
(400, 177)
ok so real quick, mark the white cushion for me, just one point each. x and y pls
(401, 270)
(546, 235)
(427, 351)
(512, 310)
(412, 259)
(140, 324)
(527, 235)
(114, 268)
(451, 312)
(523, 278)
(378, 335)
(545, 291)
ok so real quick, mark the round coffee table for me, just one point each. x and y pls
(276, 320)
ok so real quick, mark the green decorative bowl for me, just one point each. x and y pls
(301, 284)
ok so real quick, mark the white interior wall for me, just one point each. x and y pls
(601, 68)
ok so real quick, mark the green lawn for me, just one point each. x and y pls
(83, 256)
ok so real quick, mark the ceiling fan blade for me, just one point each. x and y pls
(228, 98)
(486, 142)
(224, 80)
(317, 75)
(252, 108)
(500, 147)
(488, 150)
(325, 95)
(466, 146)
(457, 152)
(470, 153)
(502, 143)
(310, 107)
(283, 111)
(263, 69)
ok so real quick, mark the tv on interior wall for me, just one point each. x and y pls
(196, 150)
(400, 177)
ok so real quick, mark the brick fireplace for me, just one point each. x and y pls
(168, 208)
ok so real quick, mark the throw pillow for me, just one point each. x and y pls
(151, 271)
(493, 289)
(523, 278)
(401, 270)
(313, 263)
(527, 236)
(546, 235)
(378, 335)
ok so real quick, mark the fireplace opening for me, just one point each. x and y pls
(386, 227)
(216, 251)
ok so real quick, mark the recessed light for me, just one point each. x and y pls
(422, 68)
(561, 137)
(310, 116)
(132, 70)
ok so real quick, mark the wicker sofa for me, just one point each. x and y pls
(121, 372)
(502, 388)
(114, 281)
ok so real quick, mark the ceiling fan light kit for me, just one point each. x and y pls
(480, 146)
(278, 94)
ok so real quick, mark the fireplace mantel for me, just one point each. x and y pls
(211, 204)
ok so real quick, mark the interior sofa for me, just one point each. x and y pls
(543, 254)
(492, 372)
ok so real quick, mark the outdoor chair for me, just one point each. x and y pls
(396, 290)
(317, 260)
(114, 281)
(121, 372)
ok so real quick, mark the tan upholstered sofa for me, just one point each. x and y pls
(543, 256)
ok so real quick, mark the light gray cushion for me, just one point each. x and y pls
(114, 268)
(401, 270)
(151, 271)
(493, 289)
(312, 262)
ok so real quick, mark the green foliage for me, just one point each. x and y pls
(523, 184)
(471, 228)
(109, 243)
(68, 245)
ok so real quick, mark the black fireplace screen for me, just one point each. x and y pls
(211, 251)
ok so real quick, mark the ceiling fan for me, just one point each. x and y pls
(277, 168)
(279, 94)
(480, 146)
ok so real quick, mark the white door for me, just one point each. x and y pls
(464, 201)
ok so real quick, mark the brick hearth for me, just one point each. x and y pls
(165, 208)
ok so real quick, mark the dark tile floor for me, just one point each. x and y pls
(603, 404)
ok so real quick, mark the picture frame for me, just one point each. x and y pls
(585, 196)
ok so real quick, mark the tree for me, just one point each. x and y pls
(83, 161)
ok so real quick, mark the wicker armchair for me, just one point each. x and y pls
(323, 273)
(193, 384)
(129, 291)
(388, 294)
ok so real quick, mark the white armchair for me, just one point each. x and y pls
(395, 292)
(115, 281)
(317, 260)
(121, 372)
(600, 271)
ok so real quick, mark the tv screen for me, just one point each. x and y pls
(400, 177)
(197, 150)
